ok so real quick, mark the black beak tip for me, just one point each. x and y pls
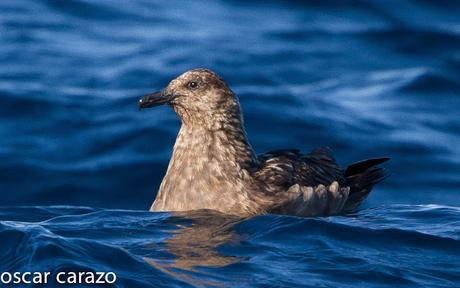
(153, 99)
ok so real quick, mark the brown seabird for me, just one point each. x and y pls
(213, 166)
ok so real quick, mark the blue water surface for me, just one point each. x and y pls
(366, 78)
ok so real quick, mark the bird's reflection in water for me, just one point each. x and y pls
(195, 243)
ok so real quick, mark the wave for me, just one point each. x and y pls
(377, 246)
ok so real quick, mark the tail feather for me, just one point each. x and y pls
(362, 177)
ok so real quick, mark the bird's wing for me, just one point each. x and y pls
(277, 169)
(306, 184)
(280, 169)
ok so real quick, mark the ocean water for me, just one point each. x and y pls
(80, 165)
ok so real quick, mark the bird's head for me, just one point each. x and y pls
(198, 96)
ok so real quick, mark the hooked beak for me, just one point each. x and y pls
(154, 99)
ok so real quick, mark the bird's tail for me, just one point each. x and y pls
(362, 176)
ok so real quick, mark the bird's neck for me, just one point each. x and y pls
(215, 135)
(226, 145)
(206, 166)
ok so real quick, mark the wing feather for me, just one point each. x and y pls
(280, 169)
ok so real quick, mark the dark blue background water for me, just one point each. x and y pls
(366, 78)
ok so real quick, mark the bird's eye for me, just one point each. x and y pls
(192, 84)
